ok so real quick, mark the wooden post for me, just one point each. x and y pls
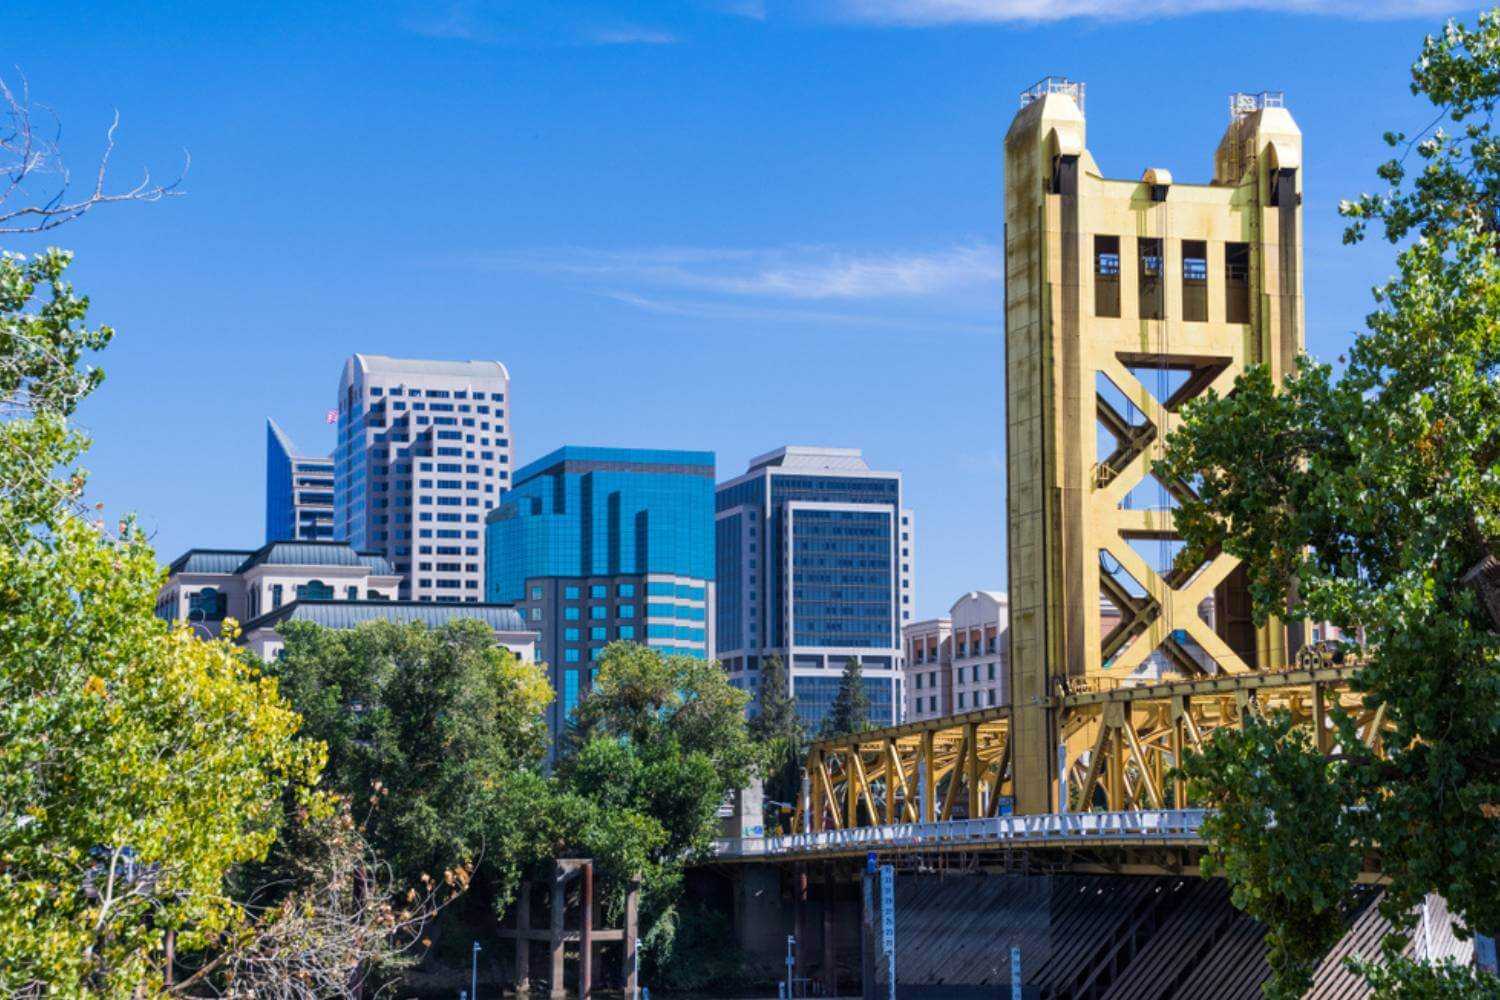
(632, 904)
(559, 902)
(523, 941)
(586, 934)
(830, 955)
(170, 947)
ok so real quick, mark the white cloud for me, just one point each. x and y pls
(736, 312)
(939, 12)
(789, 273)
(632, 36)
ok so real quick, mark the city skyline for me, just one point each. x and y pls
(791, 217)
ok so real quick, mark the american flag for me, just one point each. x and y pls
(331, 417)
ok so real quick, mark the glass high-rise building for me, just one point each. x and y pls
(595, 545)
(299, 491)
(423, 454)
(814, 556)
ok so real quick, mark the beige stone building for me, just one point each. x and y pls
(958, 663)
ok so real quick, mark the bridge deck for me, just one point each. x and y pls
(1133, 828)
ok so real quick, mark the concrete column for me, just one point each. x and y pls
(799, 895)
(830, 951)
(867, 941)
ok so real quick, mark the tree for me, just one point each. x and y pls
(1363, 499)
(660, 743)
(37, 194)
(779, 731)
(444, 724)
(851, 706)
(776, 713)
(138, 765)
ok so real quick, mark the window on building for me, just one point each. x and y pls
(1194, 281)
(314, 590)
(536, 614)
(961, 700)
(570, 655)
(1106, 276)
(275, 596)
(570, 593)
(1151, 278)
(1236, 282)
(536, 593)
(625, 590)
(625, 611)
(571, 614)
(626, 632)
(598, 590)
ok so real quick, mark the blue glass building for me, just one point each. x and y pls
(594, 545)
(299, 491)
(814, 565)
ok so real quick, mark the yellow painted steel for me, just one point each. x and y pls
(1118, 667)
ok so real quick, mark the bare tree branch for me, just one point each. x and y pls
(36, 194)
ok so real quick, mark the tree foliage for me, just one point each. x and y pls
(782, 739)
(659, 745)
(1363, 498)
(850, 712)
(443, 724)
(139, 765)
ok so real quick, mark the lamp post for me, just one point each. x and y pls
(474, 972)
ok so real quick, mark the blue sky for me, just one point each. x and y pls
(715, 224)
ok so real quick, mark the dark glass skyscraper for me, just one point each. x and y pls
(595, 545)
(814, 565)
(299, 491)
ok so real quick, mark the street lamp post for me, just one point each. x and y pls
(474, 972)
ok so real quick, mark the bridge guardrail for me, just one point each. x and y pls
(1106, 827)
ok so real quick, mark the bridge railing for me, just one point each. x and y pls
(1112, 827)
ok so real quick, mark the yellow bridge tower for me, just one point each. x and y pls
(1124, 299)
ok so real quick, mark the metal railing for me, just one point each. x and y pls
(1063, 828)
(1243, 104)
(1053, 85)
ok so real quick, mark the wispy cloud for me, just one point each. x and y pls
(632, 36)
(800, 273)
(940, 12)
(503, 21)
(954, 287)
(733, 312)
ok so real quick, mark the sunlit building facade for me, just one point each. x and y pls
(815, 566)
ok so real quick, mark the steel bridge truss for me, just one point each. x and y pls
(1120, 746)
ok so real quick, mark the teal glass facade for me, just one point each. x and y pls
(598, 545)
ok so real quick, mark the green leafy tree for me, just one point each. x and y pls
(659, 744)
(851, 705)
(443, 724)
(778, 730)
(1363, 498)
(139, 765)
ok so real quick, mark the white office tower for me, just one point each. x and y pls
(424, 451)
